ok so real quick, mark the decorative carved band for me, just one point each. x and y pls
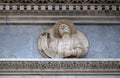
(62, 5)
(59, 7)
(59, 66)
(59, 1)
(10, 10)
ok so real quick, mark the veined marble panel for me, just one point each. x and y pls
(20, 41)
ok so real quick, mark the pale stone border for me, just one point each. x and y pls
(54, 19)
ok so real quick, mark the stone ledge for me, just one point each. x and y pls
(59, 66)
(54, 19)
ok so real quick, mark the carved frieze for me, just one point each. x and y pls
(55, 66)
(54, 7)
(60, 1)
(80, 11)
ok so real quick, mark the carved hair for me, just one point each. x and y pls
(67, 22)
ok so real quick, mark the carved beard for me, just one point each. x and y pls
(63, 33)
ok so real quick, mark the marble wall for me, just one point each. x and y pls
(20, 41)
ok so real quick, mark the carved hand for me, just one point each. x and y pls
(68, 53)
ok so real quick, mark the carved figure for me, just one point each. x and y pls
(63, 41)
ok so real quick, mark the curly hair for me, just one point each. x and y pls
(67, 22)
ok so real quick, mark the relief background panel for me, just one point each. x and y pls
(20, 41)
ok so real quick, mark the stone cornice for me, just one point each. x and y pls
(10, 10)
(60, 66)
(53, 19)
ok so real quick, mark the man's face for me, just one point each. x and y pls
(64, 29)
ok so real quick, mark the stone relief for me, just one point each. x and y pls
(63, 41)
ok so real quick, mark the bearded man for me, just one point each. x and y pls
(63, 41)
